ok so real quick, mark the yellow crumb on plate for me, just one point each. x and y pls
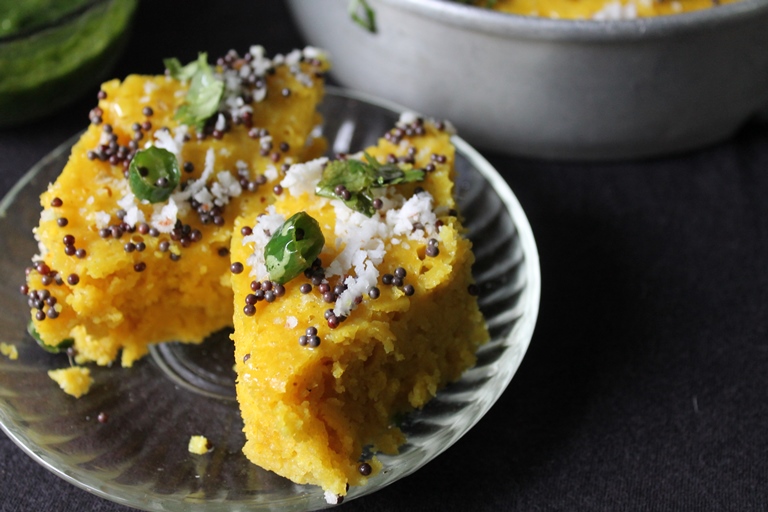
(9, 351)
(199, 445)
(75, 381)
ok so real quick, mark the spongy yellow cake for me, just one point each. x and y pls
(126, 263)
(373, 327)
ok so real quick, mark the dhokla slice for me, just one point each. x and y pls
(385, 315)
(134, 234)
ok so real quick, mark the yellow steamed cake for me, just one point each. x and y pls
(329, 359)
(116, 273)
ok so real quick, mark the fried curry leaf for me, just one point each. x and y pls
(363, 14)
(205, 90)
(359, 178)
(181, 72)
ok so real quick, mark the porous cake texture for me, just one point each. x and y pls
(384, 318)
(116, 272)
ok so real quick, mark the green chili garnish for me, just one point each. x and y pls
(293, 248)
(153, 174)
(53, 349)
(359, 178)
(205, 90)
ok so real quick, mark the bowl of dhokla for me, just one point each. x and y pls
(240, 287)
(559, 79)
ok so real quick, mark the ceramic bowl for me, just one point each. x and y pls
(558, 89)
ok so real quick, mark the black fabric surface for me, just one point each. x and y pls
(645, 386)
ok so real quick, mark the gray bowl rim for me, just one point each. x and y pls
(511, 26)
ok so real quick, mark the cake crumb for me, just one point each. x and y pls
(75, 381)
(9, 351)
(199, 445)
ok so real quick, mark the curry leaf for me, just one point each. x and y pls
(205, 90)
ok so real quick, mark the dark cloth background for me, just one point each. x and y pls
(645, 386)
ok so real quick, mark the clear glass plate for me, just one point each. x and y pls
(139, 456)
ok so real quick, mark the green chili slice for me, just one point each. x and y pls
(153, 174)
(293, 248)
(53, 349)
